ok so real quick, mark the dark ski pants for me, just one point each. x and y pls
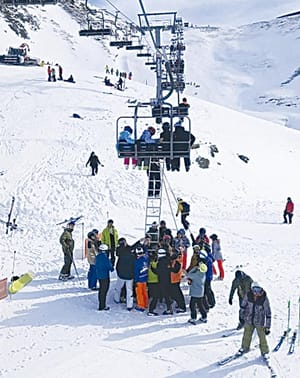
(68, 259)
(94, 169)
(111, 256)
(197, 303)
(184, 221)
(165, 294)
(247, 338)
(177, 295)
(209, 295)
(92, 277)
(154, 295)
(287, 217)
(103, 289)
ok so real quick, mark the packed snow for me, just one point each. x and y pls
(52, 328)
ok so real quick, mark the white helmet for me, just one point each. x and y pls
(103, 247)
(161, 252)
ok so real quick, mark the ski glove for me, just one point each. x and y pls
(267, 331)
(230, 301)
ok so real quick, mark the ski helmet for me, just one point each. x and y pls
(103, 247)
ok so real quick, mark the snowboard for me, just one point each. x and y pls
(22, 281)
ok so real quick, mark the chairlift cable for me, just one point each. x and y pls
(168, 198)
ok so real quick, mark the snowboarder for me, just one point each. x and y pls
(183, 208)
(196, 279)
(288, 211)
(67, 242)
(217, 255)
(110, 237)
(256, 313)
(242, 283)
(94, 162)
(140, 278)
(103, 269)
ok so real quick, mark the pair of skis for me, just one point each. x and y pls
(75, 219)
(235, 356)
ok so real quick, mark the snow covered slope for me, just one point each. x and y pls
(52, 328)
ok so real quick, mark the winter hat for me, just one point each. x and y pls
(181, 232)
(161, 252)
(196, 247)
(95, 231)
(91, 235)
(139, 251)
(129, 129)
(121, 241)
(165, 125)
(214, 237)
(154, 224)
(162, 223)
(202, 231)
(239, 274)
(151, 130)
(178, 124)
(110, 221)
(255, 285)
(103, 247)
(179, 199)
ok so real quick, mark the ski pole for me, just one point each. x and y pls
(76, 271)
(82, 238)
(14, 259)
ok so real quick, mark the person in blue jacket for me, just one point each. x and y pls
(103, 269)
(125, 137)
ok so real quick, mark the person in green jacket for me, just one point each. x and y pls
(67, 242)
(110, 237)
(242, 284)
(153, 285)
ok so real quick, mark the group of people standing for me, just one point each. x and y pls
(53, 77)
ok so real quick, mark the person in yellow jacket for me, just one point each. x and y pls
(110, 237)
(153, 285)
(183, 208)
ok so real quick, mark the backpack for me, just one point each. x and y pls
(185, 207)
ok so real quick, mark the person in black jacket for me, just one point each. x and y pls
(125, 271)
(164, 140)
(94, 162)
(182, 140)
(154, 178)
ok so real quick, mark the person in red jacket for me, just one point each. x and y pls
(288, 211)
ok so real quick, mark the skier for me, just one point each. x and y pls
(176, 276)
(288, 211)
(163, 271)
(183, 208)
(164, 141)
(163, 230)
(181, 244)
(148, 144)
(182, 140)
(94, 162)
(60, 72)
(256, 313)
(53, 74)
(140, 279)
(92, 250)
(49, 73)
(154, 178)
(110, 237)
(196, 279)
(125, 271)
(242, 283)
(103, 269)
(217, 255)
(67, 242)
(125, 138)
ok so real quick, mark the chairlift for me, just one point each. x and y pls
(135, 47)
(28, 2)
(144, 55)
(120, 44)
(140, 149)
(150, 63)
(93, 32)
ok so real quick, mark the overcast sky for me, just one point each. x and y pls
(213, 12)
